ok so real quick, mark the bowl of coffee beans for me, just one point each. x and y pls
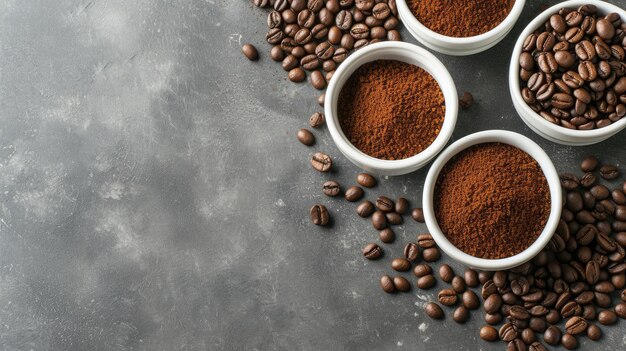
(568, 73)
(459, 27)
(492, 200)
(391, 107)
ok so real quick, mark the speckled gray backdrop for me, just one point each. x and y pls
(153, 196)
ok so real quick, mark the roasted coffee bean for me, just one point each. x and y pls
(411, 252)
(594, 332)
(340, 54)
(425, 241)
(384, 204)
(297, 75)
(289, 63)
(359, 31)
(421, 270)
(418, 215)
(576, 325)
(571, 309)
(519, 312)
(538, 325)
(552, 335)
(605, 29)
(387, 284)
(343, 20)
(310, 62)
(574, 35)
(334, 35)
(574, 201)
(366, 180)
(319, 215)
(547, 63)
(488, 333)
(386, 235)
(372, 252)
(433, 311)
(317, 120)
(493, 303)
(331, 188)
(431, 254)
(460, 315)
(379, 221)
(562, 101)
(447, 297)
(306, 137)
(400, 264)
(526, 61)
(426, 282)
(600, 192)
(607, 317)
(365, 209)
(277, 53)
(250, 52)
(401, 284)
(569, 341)
(618, 197)
(493, 319)
(520, 286)
(587, 180)
(471, 277)
(274, 36)
(466, 101)
(321, 162)
(470, 300)
(507, 332)
(401, 206)
(609, 172)
(446, 273)
(333, 6)
(587, 71)
(317, 80)
(620, 310)
(261, 3)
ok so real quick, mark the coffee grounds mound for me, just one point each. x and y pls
(455, 18)
(391, 110)
(492, 200)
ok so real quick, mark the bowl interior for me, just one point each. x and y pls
(514, 79)
(487, 37)
(401, 52)
(551, 176)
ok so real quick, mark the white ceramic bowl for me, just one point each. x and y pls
(453, 45)
(391, 51)
(539, 125)
(506, 137)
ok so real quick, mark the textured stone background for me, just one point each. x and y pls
(153, 196)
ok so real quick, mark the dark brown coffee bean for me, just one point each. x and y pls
(588, 180)
(564, 59)
(620, 310)
(460, 315)
(609, 172)
(319, 215)
(607, 317)
(552, 335)
(354, 193)
(585, 50)
(306, 137)
(592, 272)
(317, 80)
(537, 324)
(359, 31)
(493, 303)
(386, 235)
(569, 341)
(446, 273)
(290, 63)
(587, 70)
(317, 120)
(331, 188)
(562, 101)
(600, 192)
(384, 204)
(400, 264)
(277, 53)
(426, 282)
(547, 63)
(574, 35)
(493, 319)
(573, 79)
(545, 41)
(321, 162)
(372, 252)
(366, 180)
(471, 277)
(421, 270)
(401, 206)
(365, 209)
(447, 297)
(507, 332)
(433, 311)
(605, 29)
(401, 284)
(470, 300)
(274, 36)
(303, 36)
(387, 284)
(618, 196)
(576, 325)
(488, 333)
(297, 75)
(431, 254)
(379, 221)
(418, 215)
(250, 52)
(333, 6)
(571, 309)
(519, 312)
(411, 252)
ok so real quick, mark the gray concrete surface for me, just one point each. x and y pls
(153, 195)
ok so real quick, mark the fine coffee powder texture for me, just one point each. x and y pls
(456, 18)
(391, 110)
(492, 200)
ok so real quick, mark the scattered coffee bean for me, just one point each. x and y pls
(493, 303)
(379, 221)
(394, 218)
(458, 284)
(421, 270)
(488, 333)
(431, 254)
(365, 209)
(321, 162)
(400, 264)
(461, 314)
(354, 193)
(471, 277)
(387, 235)
(418, 215)
(507, 332)
(411, 252)
(470, 300)
(433, 311)
(447, 297)
(387, 284)
(320, 101)
(319, 215)
(306, 137)
(552, 335)
(609, 172)
(372, 252)
(466, 100)
(576, 325)
(317, 80)
(569, 341)
(446, 273)
(317, 120)
(297, 75)
(620, 310)
(402, 205)
(401, 284)
(331, 188)
(250, 52)
(426, 282)
(384, 204)
(366, 180)
(607, 317)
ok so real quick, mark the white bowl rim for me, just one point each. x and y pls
(490, 35)
(426, 60)
(552, 177)
(514, 81)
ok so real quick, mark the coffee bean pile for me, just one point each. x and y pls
(318, 35)
(573, 69)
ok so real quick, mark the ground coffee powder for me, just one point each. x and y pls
(492, 200)
(460, 18)
(390, 109)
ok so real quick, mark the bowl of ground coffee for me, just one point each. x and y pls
(459, 27)
(567, 75)
(492, 200)
(391, 107)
